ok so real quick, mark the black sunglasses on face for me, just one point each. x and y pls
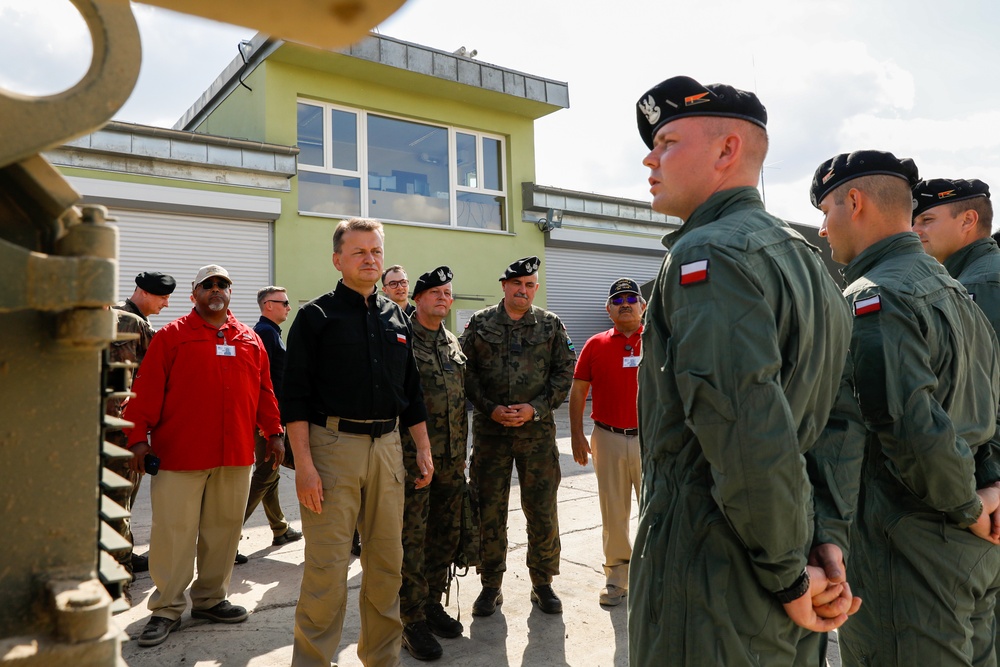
(619, 300)
(208, 284)
(283, 303)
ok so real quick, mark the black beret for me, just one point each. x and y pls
(156, 283)
(623, 286)
(937, 191)
(442, 275)
(848, 166)
(682, 96)
(526, 266)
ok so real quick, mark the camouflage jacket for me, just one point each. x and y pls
(441, 364)
(131, 350)
(529, 360)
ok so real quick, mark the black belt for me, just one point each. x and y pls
(615, 429)
(375, 429)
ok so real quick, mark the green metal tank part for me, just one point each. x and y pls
(58, 278)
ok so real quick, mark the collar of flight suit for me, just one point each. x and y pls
(963, 257)
(715, 207)
(897, 244)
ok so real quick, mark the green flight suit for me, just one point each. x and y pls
(743, 356)
(977, 267)
(530, 360)
(927, 374)
(429, 545)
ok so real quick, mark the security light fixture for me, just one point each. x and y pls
(552, 220)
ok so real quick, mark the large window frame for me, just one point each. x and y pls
(476, 184)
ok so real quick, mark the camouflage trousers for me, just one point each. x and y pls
(538, 474)
(124, 497)
(429, 545)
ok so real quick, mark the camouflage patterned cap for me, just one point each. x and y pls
(937, 191)
(442, 275)
(526, 266)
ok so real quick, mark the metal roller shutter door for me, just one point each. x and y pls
(181, 244)
(577, 283)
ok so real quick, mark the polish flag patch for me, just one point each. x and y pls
(401, 338)
(694, 272)
(870, 305)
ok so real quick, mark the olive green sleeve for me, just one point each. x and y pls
(834, 465)
(986, 294)
(727, 366)
(896, 386)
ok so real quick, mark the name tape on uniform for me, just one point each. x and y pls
(694, 272)
(872, 304)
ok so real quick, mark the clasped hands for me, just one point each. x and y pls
(829, 601)
(513, 415)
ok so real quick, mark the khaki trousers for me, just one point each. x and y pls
(197, 515)
(618, 467)
(264, 488)
(362, 486)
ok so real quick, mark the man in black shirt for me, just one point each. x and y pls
(350, 382)
(274, 309)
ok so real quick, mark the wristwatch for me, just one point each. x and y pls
(798, 588)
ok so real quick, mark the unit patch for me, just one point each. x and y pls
(694, 272)
(872, 304)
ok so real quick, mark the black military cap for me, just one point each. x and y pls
(848, 166)
(623, 286)
(442, 275)
(156, 283)
(526, 266)
(936, 191)
(682, 96)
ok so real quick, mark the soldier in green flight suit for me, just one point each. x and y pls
(750, 436)
(429, 545)
(923, 547)
(519, 371)
(953, 218)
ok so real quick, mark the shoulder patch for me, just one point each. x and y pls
(569, 344)
(694, 272)
(872, 304)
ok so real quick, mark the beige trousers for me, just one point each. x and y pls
(197, 515)
(618, 468)
(362, 486)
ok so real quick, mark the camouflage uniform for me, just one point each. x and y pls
(529, 360)
(429, 546)
(126, 351)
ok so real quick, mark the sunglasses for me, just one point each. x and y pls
(208, 284)
(619, 300)
(283, 303)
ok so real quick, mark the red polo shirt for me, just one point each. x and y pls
(613, 379)
(202, 396)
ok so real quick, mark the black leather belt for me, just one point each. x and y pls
(375, 429)
(615, 429)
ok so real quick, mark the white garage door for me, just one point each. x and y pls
(577, 283)
(181, 244)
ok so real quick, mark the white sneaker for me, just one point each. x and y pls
(612, 596)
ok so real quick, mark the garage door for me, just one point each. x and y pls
(577, 283)
(181, 244)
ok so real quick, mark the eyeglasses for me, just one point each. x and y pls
(393, 284)
(619, 300)
(283, 303)
(208, 284)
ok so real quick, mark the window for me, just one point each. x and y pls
(354, 163)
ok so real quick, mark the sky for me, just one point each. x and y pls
(917, 78)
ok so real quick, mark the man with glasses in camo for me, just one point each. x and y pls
(609, 365)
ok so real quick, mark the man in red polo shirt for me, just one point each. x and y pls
(608, 365)
(202, 391)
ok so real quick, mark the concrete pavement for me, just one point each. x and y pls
(518, 634)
